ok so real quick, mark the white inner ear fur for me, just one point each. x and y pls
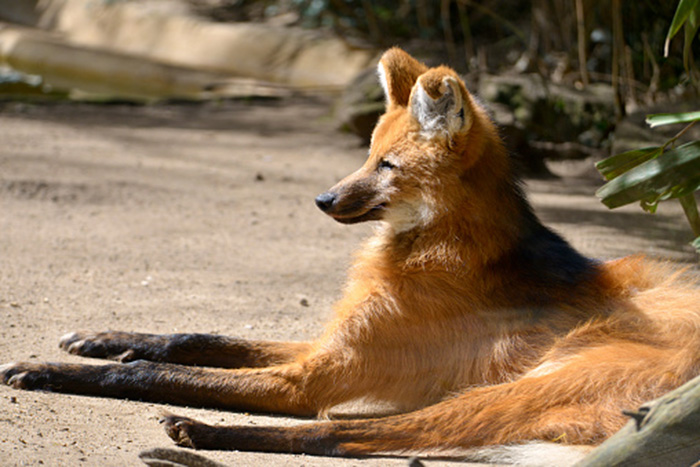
(445, 115)
(382, 79)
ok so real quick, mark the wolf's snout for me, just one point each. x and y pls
(325, 201)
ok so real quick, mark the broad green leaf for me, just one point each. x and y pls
(685, 7)
(669, 119)
(673, 174)
(621, 163)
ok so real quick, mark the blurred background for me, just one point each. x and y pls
(568, 80)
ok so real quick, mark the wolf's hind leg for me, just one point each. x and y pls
(578, 403)
(185, 349)
(457, 424)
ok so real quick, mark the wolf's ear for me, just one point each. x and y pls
(398, 72)
(440, 103)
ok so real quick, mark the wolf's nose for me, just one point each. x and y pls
(325, 201)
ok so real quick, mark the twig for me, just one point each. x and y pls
(469, 52)
(629, 73)
(618, 39)
(422, 14)
(447, 29)
(678, 135)
(582, 43)
(372, 23)
(497, 17)
(655, 70)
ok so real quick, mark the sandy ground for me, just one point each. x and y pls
(195, 218)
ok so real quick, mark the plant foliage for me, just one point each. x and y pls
(653, 174)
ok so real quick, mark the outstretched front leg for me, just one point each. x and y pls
(279, 389)
(186, 349)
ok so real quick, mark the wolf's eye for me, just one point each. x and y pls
(385, 165)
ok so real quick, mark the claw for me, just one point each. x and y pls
(127, 356)
(176, 428)
(75, 347)
(17, 381)
(67, 340)
(4, 370)
(12, 375)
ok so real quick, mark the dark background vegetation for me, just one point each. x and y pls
(569, 41)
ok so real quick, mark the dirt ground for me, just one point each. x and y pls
(178, 218)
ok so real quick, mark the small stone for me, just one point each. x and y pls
(304, 302)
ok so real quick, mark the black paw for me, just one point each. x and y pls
(109, 345)
(182, 430)
(26, 375)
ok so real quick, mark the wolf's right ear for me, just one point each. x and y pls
(440, 103)
(398, 72)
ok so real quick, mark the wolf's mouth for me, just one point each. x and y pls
(373, 214)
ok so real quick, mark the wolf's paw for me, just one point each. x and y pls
(26, 375)
(182, 430)
(109, 345)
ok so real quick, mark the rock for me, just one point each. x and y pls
(552, 112)
(359, 107)
(170, 457)
(541, 120)
(529, 161)
(166, 33)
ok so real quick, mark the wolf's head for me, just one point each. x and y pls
(433, 132)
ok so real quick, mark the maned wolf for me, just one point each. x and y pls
(480, 325)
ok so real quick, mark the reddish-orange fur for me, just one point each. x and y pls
(462, 311)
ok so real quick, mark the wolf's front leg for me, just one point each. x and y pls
(280, 389)
(186, 349)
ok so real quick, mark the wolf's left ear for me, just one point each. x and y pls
(440, 104)
(398, 72)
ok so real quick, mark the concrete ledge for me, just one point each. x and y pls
(165, 32)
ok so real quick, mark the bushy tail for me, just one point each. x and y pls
(534, 454)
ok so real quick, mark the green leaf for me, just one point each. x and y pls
(690, 207)
(669, 119)
(696, 244)
(649, 205)
(685, 7)
(690, 29)
(621, 163)
(673, 174)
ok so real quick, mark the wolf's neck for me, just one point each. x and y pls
(509, 240)
(464, 238)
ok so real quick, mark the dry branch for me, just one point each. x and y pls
(665, 431)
